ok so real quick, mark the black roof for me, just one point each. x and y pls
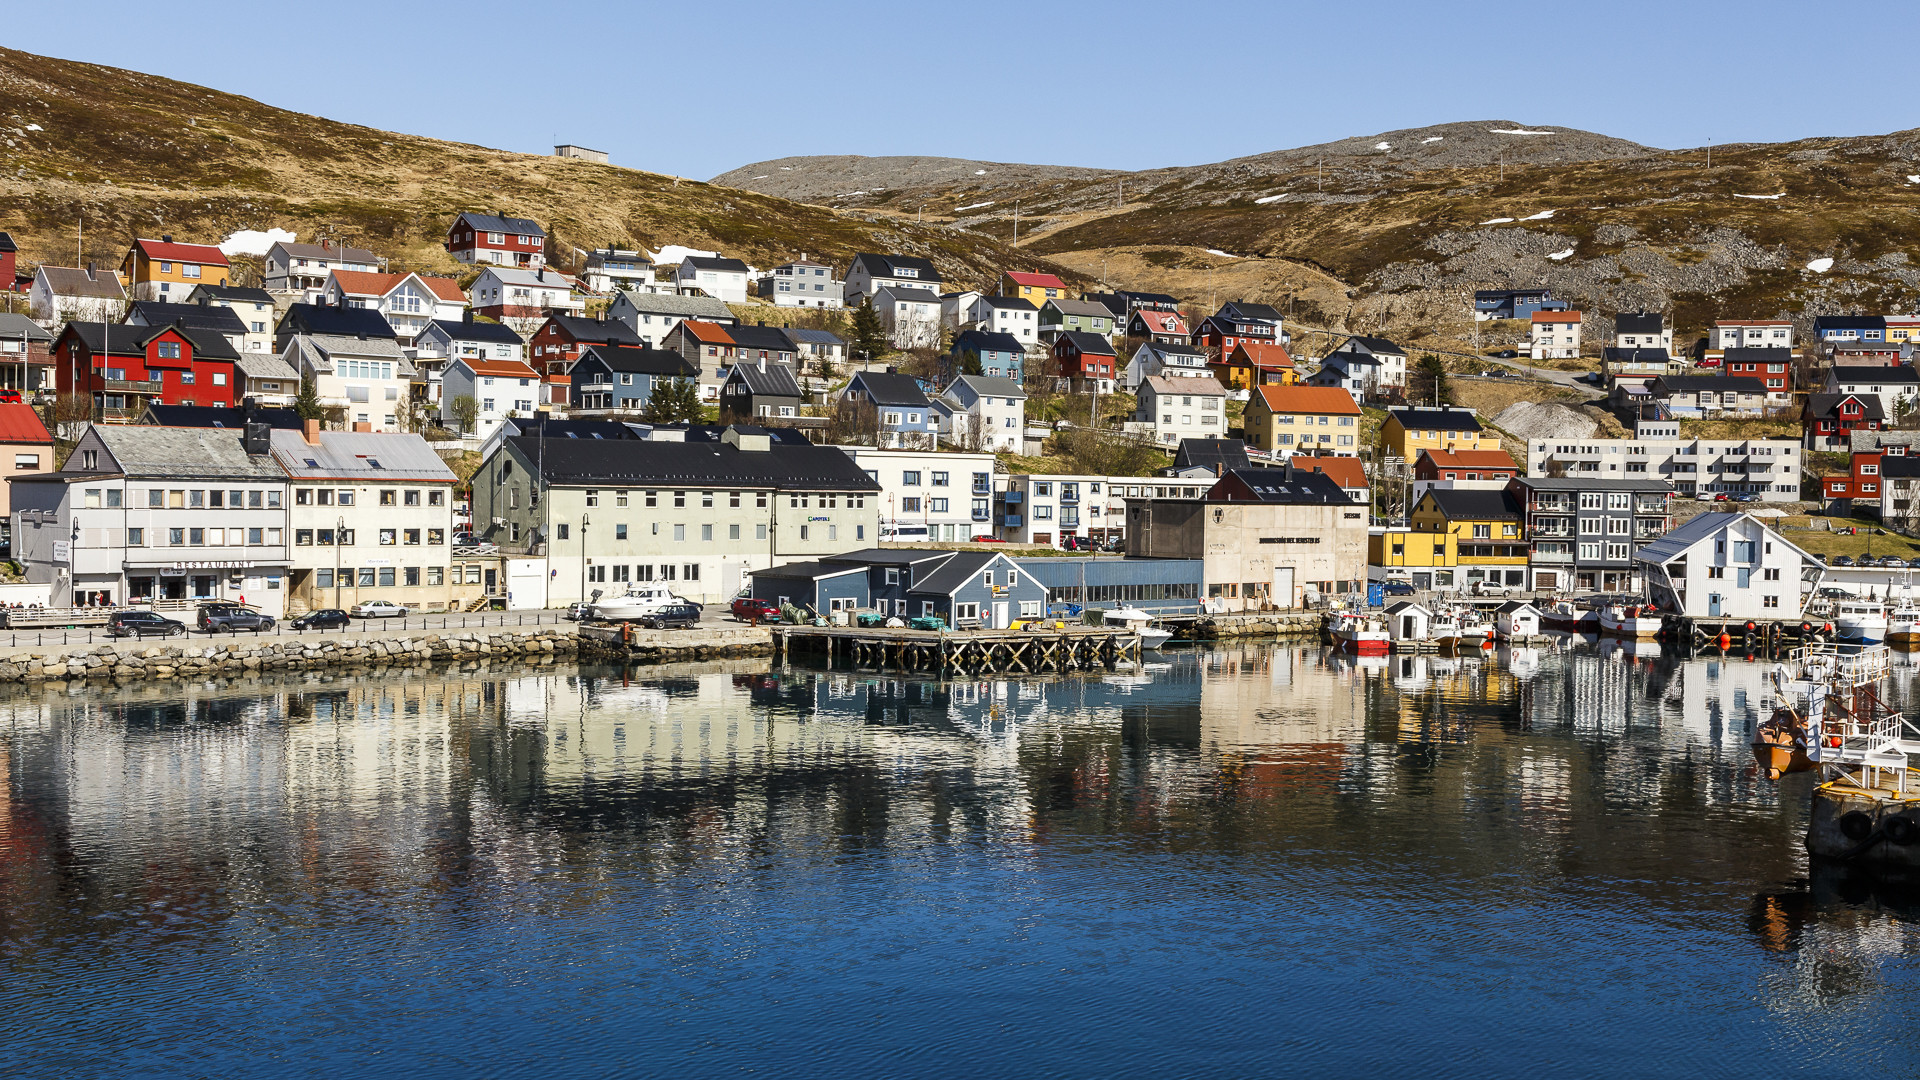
(581, 328)
(770, 338)
(480, 330)
(1091, 344)
(1247, 310)
(1475, 505)
(776, 380)
(236, 292)
(1370, 344)
(496, 223)
(1227, 454)
(888, 556)
(129, 339)
(1691, 384)
(330, 319)
(6, 242)
(1759, 354)
(197, 316)
(722, 265)
(1436, 419)
(945, 579)
(641, 361)
(571, 429)
(882, 266)
(1292, 486)
(795, 466)
(808, 571)
(1900, 465)
(216, 416)
(713, 432)
(1866, 373)
(1011, 303)
(982, 341)
(1850, 322)
(1614, 355)
(1822, 404)
(1638, 322)
(890, 388)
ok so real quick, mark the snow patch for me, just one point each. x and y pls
(1541, 216)
(1383, 146)
(786, 168)
(851, 194)
(35, 127)
(1264, 199)
(979, 172)
(1431, 139)
(1222, 254)
(1558, 255)
(762, 176)
(1911, 179)
(1520, 131)
(1496, 221)
(972, 206)
(674, 253)
(1820, 266)
(254, 242)
(1782, 195)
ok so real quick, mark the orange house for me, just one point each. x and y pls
(163, 270)
(1252, 364)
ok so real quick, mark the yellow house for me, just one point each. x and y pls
(1314, 420)
(163, 270)
(1253, 364)
(1411, 430)
(1036, 289)
(1456, 539)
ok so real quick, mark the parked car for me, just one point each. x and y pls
(1893, 562)
(578, 610)
(379, 609)
(1397, 588)
(1722, 497)
(1843, 560)
(228, 619)
(1746, 496)
(1707, 361)
(984, 539)
(1507, 354)
(746, 608)
(322, 619)
(463, 539)
(1705, 496)
(143, 624)
(1491, 588)
(672, 617)
(1830, 592)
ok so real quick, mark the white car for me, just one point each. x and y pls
(379, 609)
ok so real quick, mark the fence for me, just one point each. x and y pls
(33, 639)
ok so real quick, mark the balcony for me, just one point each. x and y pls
(1069, 496)
(1650, 506)
(982, 515)
(1552, 557)
(1011, 521)
(129, 386)
(1012, 498)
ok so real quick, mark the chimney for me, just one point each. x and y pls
(310, 431)
(166, 238)
(362, 426)
(256, 439)
(89, 271)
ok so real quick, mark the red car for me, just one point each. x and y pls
(748, 609)
(983, 539)
(1708, 361)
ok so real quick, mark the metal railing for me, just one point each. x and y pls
(452, 620)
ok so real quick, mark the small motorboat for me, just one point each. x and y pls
(634, 603)
(1860, 621)
(1903, 625)
(1151, 637)
(1571, 617)
(1359, 634)
(1630, 621)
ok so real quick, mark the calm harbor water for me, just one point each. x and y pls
(1243, 861)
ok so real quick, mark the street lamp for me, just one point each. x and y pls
(583, 556)
(339, 539)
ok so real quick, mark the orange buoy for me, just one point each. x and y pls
(1725, 640)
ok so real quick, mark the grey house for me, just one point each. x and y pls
(1585, 533)
(622, 377)
(967, 589)
(758, 390)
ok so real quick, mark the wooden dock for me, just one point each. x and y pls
(961, 652)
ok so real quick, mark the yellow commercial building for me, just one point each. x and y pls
(1457, 539)
(1408, 431)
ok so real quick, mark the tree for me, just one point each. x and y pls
(867, 338)
(675, 401)
(307, 405)
(970, 363)
(70, 411)
(466, 413)
(1434, 370)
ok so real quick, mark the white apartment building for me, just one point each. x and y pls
(1769, 468)
(931, 496)
(1555, 335)
(1750, 334)
(803, 284)
(1048, 508)
(1182, 409)
(911, 316)
(721, 278)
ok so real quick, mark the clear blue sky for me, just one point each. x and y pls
(697, 88)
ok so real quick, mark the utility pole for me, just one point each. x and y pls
(1709, 153)
(1016, 222)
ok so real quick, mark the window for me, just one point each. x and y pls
(346, 497)
(939, 479)
(136, 538)
(323, 578)
(389, 537)
(389, 497)
(620, 531)
(410, 536)
(436, 575)
(436, 536)
(680, 534)
(302, 537)
(910, 478)
(593, 498)
(412, 497)
(368, 576)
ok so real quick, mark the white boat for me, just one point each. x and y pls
(1359, 634)
(1903, 625)
(1629, 622)
(1863, 621)
(1151, 637)
(634, 603)
(1569, 616)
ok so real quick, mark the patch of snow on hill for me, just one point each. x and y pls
(762, 176)
(1222, 254)
(979, 172)
(674, 253)
(1519, 131)
(1269, 198)
(35, 127)
(1383, 146)
(851, 194)
(972, 206)
(1496, 221)
(1913, 179)
(254, 242)
(1541, 216)
(1820, 266)
(1431, 139)
(1782, 195)
(1558, 255)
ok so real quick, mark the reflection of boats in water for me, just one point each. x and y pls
(1632, 648)
(1140, 622)
(1522, 660)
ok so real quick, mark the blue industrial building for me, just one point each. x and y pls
(964, 588)
(1156, 586)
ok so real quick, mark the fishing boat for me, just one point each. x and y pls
(1359, 634)
(1140, 622)
(1444, 628)
(1903, 624)
(1862, 622)
(1801, 692)
(1570, 616)
(634, 603)
(1477, 630)
(1630, 621)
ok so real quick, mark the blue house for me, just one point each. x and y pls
(967, 589)
(895, 405)
(1157, 586)
(623, 377)
(821, 587)
(1000, 355)
(1850, 328)
(1514, 303)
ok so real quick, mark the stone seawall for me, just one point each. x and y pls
(675, 646)
(1259, 624)
(133, 661)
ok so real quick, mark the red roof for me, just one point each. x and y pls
(1163, 322)
(187, 253)
(1346, 471)
(20, 424)
(364, 283)
(505, 369)
(1556, 316)
(707, 332)
(1035, 281)
(445, 288)
(1309, 399)
(1471, 459)
(1264, 355)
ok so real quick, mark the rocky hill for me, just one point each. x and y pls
(131, 154)
(1392, 232)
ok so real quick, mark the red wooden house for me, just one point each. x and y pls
(123, 369)
(1862, 478)
(1166, 327)
(1083, 362)
(1221, 333)
(501, 241)
(562, 338)
(9, 266)
(1465, 465)
(1826, 419)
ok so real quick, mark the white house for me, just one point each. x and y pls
(1892, 385)
(1365, 367)
(351, 356)
(304, 268)
(408, 301)
(1554, 335)
(253, 307)
(981, 412)
(1006, 315)
(499, 388)
(61, 294)
(473, 339)
(610, 269)
(652, 316)
(803, 284)
(1750, 334)
(933, 496)
(1642, 330)
(869, 273)
(1182, 409)
(911, 316)
(524, 298)
(1728, 566)
(722, 279)
(1169, 361)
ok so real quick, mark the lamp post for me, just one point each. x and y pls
(339, 540)
(583, 556)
